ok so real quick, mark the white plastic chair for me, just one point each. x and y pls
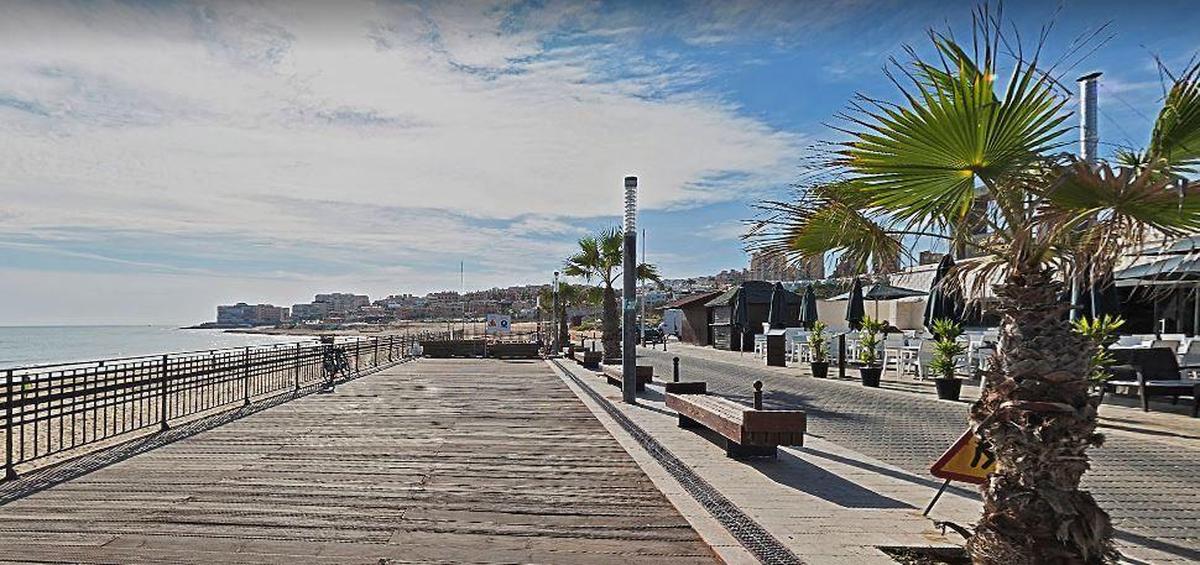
(1129, 341)
(893, 350)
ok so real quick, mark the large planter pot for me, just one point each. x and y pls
(820, 369)
(870, 376)
(948, 388)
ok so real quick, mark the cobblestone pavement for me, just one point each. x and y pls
(1150, 485)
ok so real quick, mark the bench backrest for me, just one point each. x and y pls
(1154, 362)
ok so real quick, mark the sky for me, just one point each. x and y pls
(158, 157)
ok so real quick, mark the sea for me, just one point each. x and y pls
(35, 345)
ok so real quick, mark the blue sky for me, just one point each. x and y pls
(159, 158)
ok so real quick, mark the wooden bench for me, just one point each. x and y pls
(687, 387)
(589, 359)
(644, 374)
(748, 432)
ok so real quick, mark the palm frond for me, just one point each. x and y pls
(1175, 142)
(829, 218)
(923, 161)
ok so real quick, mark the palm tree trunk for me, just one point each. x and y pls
(611, 325)
(1037, 417)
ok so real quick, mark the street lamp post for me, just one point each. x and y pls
(629, 306)
(556, 340)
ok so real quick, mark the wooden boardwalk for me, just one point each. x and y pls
(437, 460)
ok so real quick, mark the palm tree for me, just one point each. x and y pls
(925, 168)
(568, 295)
(599, 259)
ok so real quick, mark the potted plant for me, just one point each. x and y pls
(868, 355)
(1101, 333)
(946, 351)
(818, 349)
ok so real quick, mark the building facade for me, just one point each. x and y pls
(242, 314)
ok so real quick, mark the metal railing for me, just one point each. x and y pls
(66, 408)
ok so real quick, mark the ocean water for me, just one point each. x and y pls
(34, 345)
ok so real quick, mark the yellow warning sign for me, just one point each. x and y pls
(965, 461)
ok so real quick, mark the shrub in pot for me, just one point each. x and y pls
(868, 343)
(946, 351)
(1101, 333)
(818, 348)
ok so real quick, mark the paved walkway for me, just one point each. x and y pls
(454, 460)
(1147, 481)
(827, 504)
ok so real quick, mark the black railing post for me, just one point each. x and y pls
(391, 348)
(758, 395)
(675, 369)
(296, 369)
(162, 406)
(841, 356)
(375, 355)
(10, 472)
(246, 378)
(357, 353)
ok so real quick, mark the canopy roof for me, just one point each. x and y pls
(883, 291)
(757, 292)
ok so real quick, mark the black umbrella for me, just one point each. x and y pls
(741, 316)
(944, 301)
(855, 311)
(808, 308)
(777, 314)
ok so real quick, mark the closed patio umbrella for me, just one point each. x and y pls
(944, 301)
(808, 308)
(855, 311)
(741, 316)
(777, 314)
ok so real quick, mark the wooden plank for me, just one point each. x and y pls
(438, 460)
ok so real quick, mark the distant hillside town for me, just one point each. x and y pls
(520, 302)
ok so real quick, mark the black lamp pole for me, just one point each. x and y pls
(629, 305)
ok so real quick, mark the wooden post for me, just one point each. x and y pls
(375, 354)
(10, 472)
(357, 353)
(675, 369)
(246, 377)
(162, 407)
(758, 395)
(391, 348)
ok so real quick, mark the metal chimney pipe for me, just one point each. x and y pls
(1089, 141)
(629, 303)
(1089, 134)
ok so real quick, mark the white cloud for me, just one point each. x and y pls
(198, 110)
(395, 128)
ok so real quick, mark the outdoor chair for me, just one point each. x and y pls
(916, 360)
(1129, 341)
(893, 350)
(1191, 356)
(1171, 344)
(1151, 372)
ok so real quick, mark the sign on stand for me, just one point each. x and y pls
(967, 461)
(498, 324)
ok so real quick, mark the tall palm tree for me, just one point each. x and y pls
(923, 168)
(599, 259)
(568, 295)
